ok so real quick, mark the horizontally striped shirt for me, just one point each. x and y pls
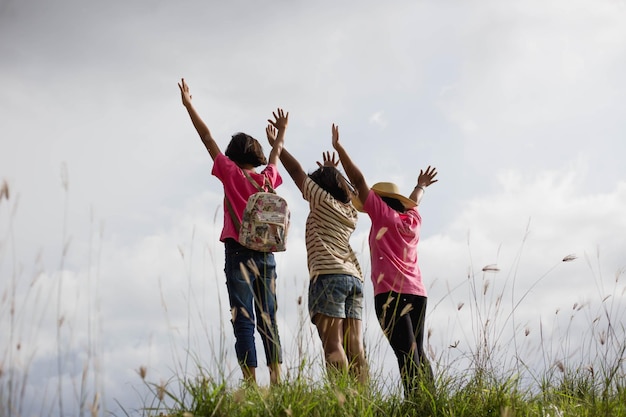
(328, 229)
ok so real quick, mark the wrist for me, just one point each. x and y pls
(422, 187)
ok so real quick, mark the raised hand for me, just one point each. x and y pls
(281, 119)
(329, 161)
(427, 178)
(335, 136)
(185, 95)
(270, 132)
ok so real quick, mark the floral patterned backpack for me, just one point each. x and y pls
(265, 220)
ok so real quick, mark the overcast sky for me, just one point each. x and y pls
(109, 239)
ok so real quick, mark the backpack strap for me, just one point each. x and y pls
(231, 211)
(266, 183)
(229, 206)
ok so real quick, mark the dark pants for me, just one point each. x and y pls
(251, 283)
(401, 317)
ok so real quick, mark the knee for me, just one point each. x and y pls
(334, 354)
(242, 322)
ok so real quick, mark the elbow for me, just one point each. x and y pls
(359, 182)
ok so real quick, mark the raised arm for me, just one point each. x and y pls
(291, 164)
(352, 171)
(424, 180)
(281, 119)
(201, 128)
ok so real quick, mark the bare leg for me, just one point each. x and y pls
(353, 334)
(330, 330)
(249, 373)
(274, 373)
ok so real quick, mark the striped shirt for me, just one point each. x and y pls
(328, 229)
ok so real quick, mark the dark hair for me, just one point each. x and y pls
(244, 149)
(331, 180)
(394, 203)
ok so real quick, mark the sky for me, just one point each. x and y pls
(109, 253)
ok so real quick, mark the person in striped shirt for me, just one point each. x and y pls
(336, 281)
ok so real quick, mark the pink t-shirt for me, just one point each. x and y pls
(393, 248)
(237, 188)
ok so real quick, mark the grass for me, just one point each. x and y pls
(496, 363)
(493, 370)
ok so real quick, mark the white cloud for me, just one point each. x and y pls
(378, 119)
(518, 106)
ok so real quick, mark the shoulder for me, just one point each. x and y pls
(414, 214)
(222, 165)
(271, 173)
(374, 205)
(312, 192)
(309, 185)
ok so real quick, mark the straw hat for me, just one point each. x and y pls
(386, 189)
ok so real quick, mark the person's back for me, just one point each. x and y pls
(393, 240)
(336, 282)
(400, 297)
(250, 274)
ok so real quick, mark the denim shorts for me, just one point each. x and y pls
(336, 295)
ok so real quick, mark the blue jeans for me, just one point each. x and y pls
(251, 283)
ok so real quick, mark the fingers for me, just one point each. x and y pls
(281, 118)
(335, 130)
(332, 159)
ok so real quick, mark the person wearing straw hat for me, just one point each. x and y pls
(399, 293)
(335, 296)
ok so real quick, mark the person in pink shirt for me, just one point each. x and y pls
(399, 293)
(250, 275)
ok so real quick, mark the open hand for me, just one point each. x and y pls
(281, 119)
(329, 161)
(270, 132)
(185, 95)
(427, 178)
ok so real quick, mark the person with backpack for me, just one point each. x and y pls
(399, 293)
(250, 274)
(335, 296)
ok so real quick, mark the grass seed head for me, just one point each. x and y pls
(161, 391)
(491, 268)
(569, 258)
(142, 371)
(4, 190)
(407, 308)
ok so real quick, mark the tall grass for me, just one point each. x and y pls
(492, 362)
(33, 311)
(574, 366)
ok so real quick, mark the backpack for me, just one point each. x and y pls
(265, 220)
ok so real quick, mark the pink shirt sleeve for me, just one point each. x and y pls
(237, 189)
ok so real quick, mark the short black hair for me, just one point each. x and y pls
(244, 149)
(331, 180)
(394, 203)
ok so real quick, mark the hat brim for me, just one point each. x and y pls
(406, 202)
